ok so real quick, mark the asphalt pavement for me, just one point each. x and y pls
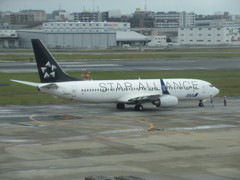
(130, 65)
(75, 140)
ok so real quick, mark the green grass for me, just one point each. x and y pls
(226, 80)
(77, 57)
(143, 56)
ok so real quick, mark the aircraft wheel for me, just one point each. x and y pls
(200, 103)
(120, 106)
(138, 108)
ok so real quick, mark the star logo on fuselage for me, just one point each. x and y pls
(49, 70)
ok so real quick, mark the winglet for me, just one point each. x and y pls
(164, 88)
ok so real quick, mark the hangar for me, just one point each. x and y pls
(96, 35)
(131, 38)
(68, 39)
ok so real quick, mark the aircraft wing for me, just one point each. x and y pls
(139, 98)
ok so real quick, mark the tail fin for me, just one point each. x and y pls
(48, 68)
(164, 88)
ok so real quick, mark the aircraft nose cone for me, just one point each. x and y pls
(216, 91)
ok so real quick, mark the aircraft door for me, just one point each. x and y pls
(69, 93)
(204, 89)
(74, 92)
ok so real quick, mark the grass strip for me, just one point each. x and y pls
(140, 55)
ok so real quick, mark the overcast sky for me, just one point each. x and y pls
(126, 6)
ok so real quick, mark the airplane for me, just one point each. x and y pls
(159, 92)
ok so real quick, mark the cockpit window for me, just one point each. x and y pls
(211, 86)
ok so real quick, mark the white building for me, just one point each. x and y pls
(131, 38)
(85, 26)
(173, 19)
(9, 39)
(157, 40)
(114, 14)
(217, 23)
(210, 35)
(186, 19)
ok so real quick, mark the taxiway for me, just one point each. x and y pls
(74, 140)
(130, 65)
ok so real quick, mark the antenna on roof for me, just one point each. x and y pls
(145, 6)
(93, 6)
(60, 7)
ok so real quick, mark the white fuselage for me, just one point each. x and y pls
(115, 91)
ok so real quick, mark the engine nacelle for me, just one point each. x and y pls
(166, 101)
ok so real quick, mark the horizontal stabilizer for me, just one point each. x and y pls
(25, 82)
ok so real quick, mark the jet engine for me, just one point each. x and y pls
(166, 101)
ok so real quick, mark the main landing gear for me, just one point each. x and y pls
(138, 107)
(121, 106)
(200, 104)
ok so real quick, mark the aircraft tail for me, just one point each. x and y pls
(48, 68)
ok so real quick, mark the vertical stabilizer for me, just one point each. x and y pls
(48, 68)
(164, 88)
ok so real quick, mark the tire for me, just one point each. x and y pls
(138, 108)
(120, 106)
(201, 104)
